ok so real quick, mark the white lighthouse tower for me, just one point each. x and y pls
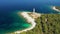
(33, 10)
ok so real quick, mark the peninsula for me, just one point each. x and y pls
(46, 24)
(57, 8)
(40, 23)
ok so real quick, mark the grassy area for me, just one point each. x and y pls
(49, 26)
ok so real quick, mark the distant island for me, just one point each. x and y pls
(57, 8)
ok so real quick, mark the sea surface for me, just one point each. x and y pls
(11, 21)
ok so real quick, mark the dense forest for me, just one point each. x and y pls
(46, 24)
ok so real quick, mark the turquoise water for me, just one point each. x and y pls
(12, 23)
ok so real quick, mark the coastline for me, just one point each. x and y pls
(29, 20)
(54, 8)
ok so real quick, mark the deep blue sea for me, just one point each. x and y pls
(10, 21)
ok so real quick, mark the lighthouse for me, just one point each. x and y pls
(33, 10)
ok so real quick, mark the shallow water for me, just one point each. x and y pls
(12, 22)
